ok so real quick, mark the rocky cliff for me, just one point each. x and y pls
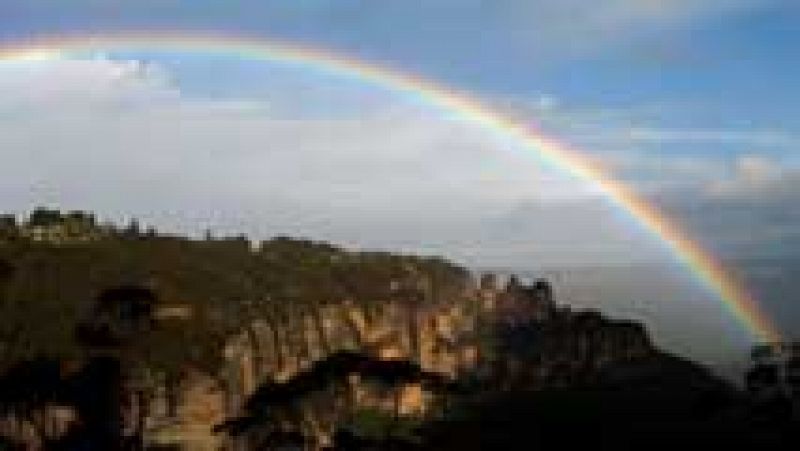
(441, 338)
(177, 336)
(509, 336)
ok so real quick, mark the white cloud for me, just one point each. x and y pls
(120, 138)
(757, 178)
(757, 169)
(658, 159)
(733, 189)
(79, 85)
(771, 138)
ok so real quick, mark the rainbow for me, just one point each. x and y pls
(704, 267)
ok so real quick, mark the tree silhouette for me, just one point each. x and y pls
(275, 409)
(768, 383)
(42, 216)
(113, 335)
(6, 329)
(6, 271)
(119, 316)
(28, 387)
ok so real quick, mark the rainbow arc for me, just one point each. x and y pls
(702, 265)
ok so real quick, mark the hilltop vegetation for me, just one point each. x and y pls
(54, 267)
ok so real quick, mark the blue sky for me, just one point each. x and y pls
(615, 51)
(694, 103)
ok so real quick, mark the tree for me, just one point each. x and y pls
(27, 388)
(114, 336)
(767, 382)
(8, 227)
(119, 316)
(276, 409)
(8, 327)
(133, 230)
(6, 271)
(42, 216)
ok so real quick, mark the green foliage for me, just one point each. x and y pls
(47, 289)
(380, 425)
(42, 216)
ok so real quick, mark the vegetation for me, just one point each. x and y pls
(275, 411)
(80, 303)
(48, 287)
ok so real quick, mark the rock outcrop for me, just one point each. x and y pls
(440, 338)
(447, 338)
(509, 336)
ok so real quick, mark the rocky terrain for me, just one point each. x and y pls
(134, 340)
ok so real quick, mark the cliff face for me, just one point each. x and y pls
(514, 336)
(110, 342)
(508, 337)
(440, 338)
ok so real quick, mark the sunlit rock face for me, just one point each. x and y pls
(439, 337)
(443, 337)
(450, 336)
(186, 414)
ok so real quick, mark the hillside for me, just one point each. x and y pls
(49, 286)
(114, 338)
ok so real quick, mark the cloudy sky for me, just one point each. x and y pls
(694, 103)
